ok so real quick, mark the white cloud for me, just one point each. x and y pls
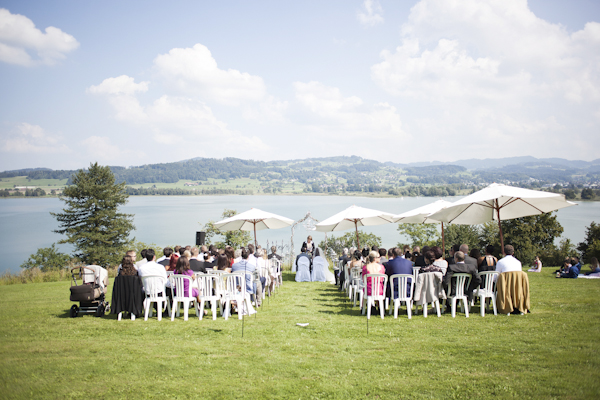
(336, 120)
(19, 37)
(490, 70)
(120, 85)
(33, 139)
(101, 148)
(170, 119)
(372, 14)
(194, 69)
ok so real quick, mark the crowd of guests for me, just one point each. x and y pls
(188, 260)
(430, 259)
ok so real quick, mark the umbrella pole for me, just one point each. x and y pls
(443, 241)
(500, 228)
(357, 240)
(255, 242)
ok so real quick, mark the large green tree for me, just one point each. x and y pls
(91, 219)
(590, 247)
(421, 234)
(532, 235)
(348, 240)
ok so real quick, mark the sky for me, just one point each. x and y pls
(144, 82)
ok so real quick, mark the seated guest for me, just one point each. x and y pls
(420, 259)
(508, 262)
(406, 252)
(203, 251)
(274, 253)
(365, 254)
(183, 268)
(223, 264)
(460, 266)
(152, 268)
(373, 267)
(468, 259)
(143, 260)
(166, 258)
(476, 254)
(339, 277)
(574, 269)
(247, 268)
(397, 265)
(237, 256)
(451, 252)
(195, 264)
(129, 253)
(251, 256)
(229, 253)
(390, 253)
(415, 253)
(430, 266)
(382, 255)
(488, 262)
(174, 257)
(304, 253)
(594, 266)
(536, 266)
(127, 267)
(439, 259)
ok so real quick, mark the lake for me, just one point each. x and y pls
(26, 223)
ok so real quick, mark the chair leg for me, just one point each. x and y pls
(119, 316)
(493, 299)
(146, 309)
(466, 302)
(437, 308)
(201, 311)
(174, 310)
(213, 309)
(227, 309)
(453, 307)
(482, 306)
(159, 308)
(369, 304)
(132, 316)
(381, 309)
(424, 310)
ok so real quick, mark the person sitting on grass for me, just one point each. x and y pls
(536, 266)
(574, 269)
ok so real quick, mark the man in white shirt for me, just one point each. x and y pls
(251, 257)
(151, 267)
(508, 262)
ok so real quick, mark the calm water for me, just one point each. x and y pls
(26, 224)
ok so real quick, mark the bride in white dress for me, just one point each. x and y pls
(321, 272)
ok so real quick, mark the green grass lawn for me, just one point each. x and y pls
(551, 353)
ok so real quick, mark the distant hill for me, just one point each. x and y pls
(352, 171)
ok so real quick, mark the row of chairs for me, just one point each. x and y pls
(218, 288)
(355, 285)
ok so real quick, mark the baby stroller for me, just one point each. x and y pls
(92, 291)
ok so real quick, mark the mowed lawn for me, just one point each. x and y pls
(554, 352)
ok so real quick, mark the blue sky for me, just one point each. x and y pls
(132, 83)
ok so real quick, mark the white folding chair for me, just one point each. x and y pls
(355, 284)
(462, 282)
(416, 273)
(207, 289)
(488, 290)
(180, 296)
(275, 268)
(401, 282)
(154, 289)
(235, 290)
(378, 283)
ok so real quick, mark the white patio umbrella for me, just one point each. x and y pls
(421, 215)
(353, 217)
(499, 202)
(253, 220)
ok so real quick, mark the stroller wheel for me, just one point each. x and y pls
(100, 310)
(74, 311)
